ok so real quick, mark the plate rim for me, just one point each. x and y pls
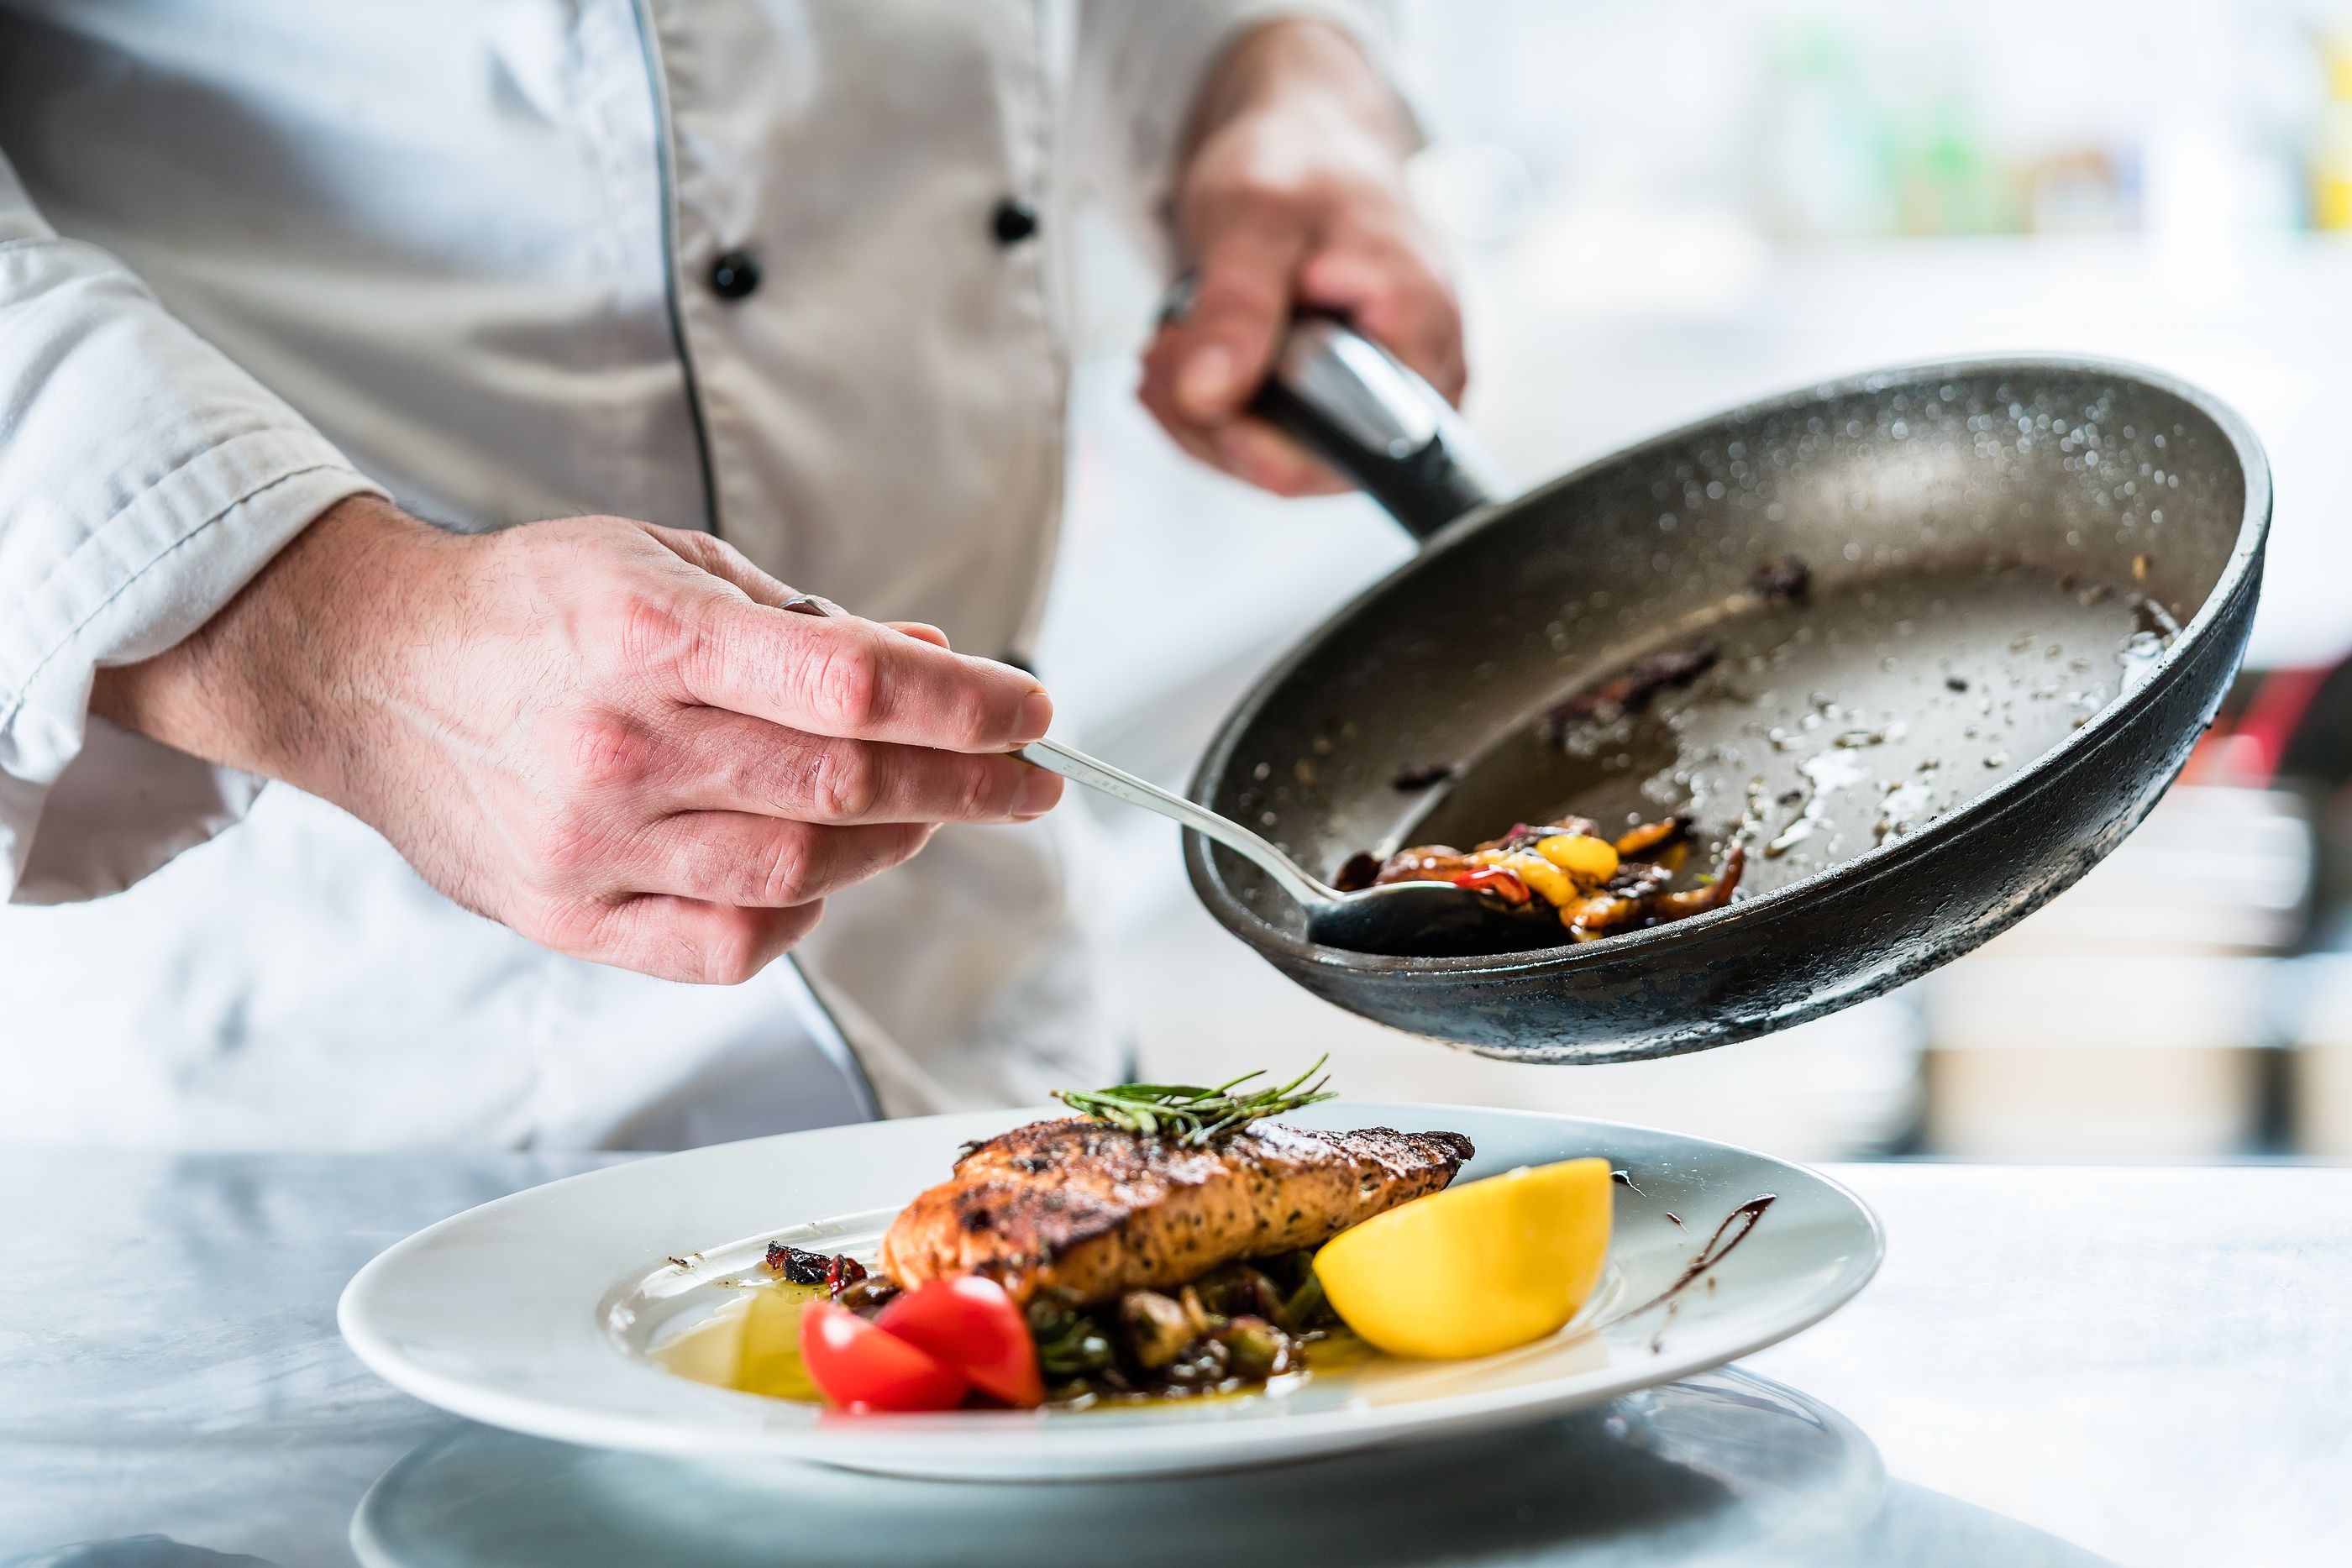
(1129, 1450)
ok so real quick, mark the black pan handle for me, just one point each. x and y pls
(1351, 403)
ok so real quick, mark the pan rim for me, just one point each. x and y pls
(2236, 579)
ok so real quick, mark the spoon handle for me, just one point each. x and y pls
(1056, 758)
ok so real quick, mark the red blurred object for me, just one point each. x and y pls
(860, 1366)
(968, 1323)
(2249, 751)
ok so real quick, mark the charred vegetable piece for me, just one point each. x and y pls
(1623, 694)
(1254, 1348)
(1433, 862)
(1643, 842)
(1714, 895)
(833, 1272)
(1203, 1365)
(1070, 1343)
(1211, 1336)
(868, 1296)
(1156, 1328)
(1287, 1271)
(1237, 1289)
(1645, 901)
(1782, 578)
(1307, 1311)
(1598, 887)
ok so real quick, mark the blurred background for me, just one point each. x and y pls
(1665, 209)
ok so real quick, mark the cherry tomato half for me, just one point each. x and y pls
(857, 1365)
(969, 1323)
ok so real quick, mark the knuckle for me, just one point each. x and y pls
(782, 874)
(646, 632)
(687, 543)
(986, 793)
(707, 647)
(1273, 194)
(844, 683)
(713, 555)
(733, 563)
(603, 751)
(845, 783)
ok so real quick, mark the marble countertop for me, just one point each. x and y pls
(2056, 1365)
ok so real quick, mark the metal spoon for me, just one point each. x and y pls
(1407, 919)
(1401, 919)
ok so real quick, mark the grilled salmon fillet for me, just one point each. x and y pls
(1094, 1210)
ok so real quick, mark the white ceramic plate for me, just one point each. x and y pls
(539, 1312)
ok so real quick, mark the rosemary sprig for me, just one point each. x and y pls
(1191, 1114)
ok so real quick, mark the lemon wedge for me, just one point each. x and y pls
(1477, 1268)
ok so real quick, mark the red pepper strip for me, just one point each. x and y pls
(1503, 884)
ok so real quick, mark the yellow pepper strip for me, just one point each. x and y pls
(1548, 880)
(1589, 860)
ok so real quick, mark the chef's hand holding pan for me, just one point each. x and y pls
(1292, 198)
(616, 739)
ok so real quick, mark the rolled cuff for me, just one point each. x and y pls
(86, 809)
(1140, 71)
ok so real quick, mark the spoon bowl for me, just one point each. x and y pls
(1428, 920)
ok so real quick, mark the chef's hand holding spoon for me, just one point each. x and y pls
(617, 739)
(614, 737)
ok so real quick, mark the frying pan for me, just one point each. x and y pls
(1960, 625)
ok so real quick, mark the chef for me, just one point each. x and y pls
(729, 304)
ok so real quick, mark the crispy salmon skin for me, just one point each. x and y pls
(1093, 1210)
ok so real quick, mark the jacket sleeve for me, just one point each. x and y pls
(1137, 70)
(143, 480)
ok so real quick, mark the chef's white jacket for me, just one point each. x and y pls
(257, 255)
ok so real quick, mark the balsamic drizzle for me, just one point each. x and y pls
(1718, 1246)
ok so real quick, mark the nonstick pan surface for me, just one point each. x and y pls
(2027, 584)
